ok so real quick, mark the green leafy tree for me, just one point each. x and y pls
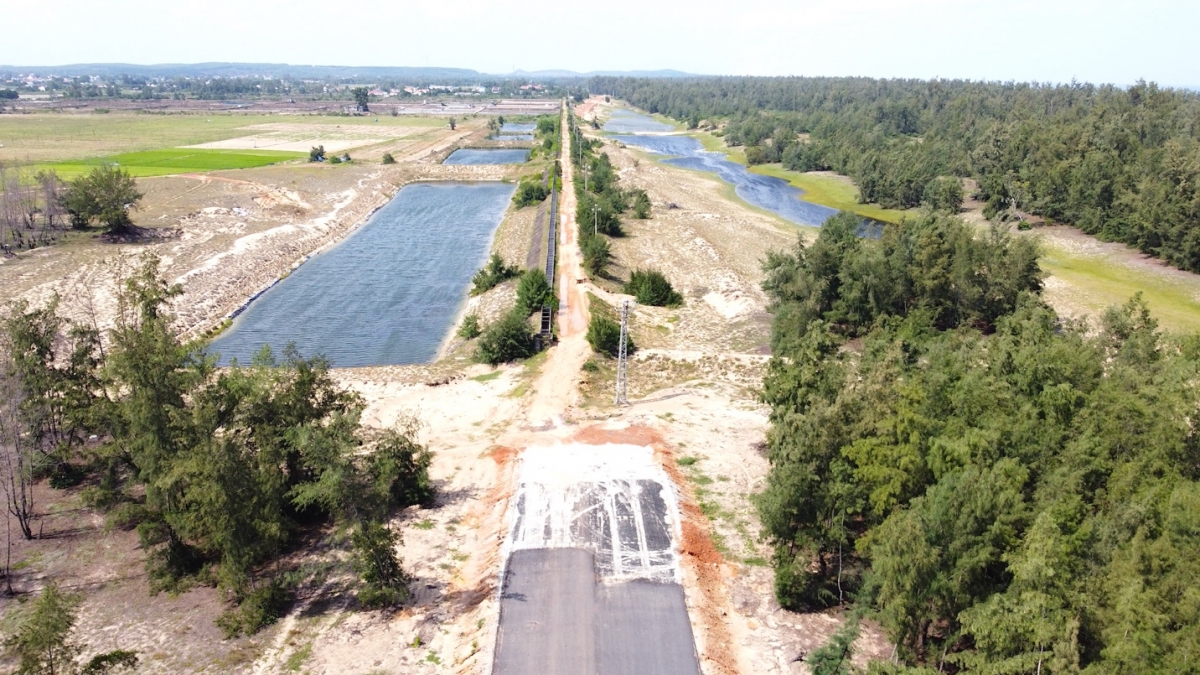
(596, 255)
(603, 334)
(833, 657)
(650, 287)
(508, 339)
(943, 194)
(469, 329)
(495, 272)
(317, 154)
(452, 124)
(533, 292)
(362, 99)
(385, 584)
(40, 641)
(107, 194)
(388, 159)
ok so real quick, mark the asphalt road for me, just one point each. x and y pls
(557, 619)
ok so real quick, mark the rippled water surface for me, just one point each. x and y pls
(628, 122)
(768, 192)
(517, 128)
(488, 156)
(504, 136)
(388, 293)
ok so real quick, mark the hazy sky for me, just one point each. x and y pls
(1045, 40)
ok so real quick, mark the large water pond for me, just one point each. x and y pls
(488, 156)
(389, 292)
(628, 122)
(517, 128)
(768, 192)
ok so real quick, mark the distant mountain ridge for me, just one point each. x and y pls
(224, 69)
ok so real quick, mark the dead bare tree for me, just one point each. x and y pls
(17, 454)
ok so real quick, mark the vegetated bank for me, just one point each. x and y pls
(1116, 162)
(221, 473)
(1003, 490)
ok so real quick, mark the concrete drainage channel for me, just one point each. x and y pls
(591, 581)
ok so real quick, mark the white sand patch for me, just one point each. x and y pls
(302, 137)
(613, 499)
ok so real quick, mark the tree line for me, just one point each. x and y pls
(221, 472)
(1119, 163)
(1004, 490)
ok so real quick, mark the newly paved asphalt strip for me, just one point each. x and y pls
(556, 618)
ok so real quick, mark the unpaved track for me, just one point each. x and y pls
(561, 613)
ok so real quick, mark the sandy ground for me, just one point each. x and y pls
(691, 388)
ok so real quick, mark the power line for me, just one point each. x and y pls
(622, 355)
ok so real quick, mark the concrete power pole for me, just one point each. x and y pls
(622, 356)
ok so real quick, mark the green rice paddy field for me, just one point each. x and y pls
(55, 137)
(169, 161)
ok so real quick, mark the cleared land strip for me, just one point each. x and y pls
(592, 584)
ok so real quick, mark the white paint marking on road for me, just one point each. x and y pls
(613, 499)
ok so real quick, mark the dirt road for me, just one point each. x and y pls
(601, 593)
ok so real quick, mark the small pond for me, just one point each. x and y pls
(488, 156)
(389, 292)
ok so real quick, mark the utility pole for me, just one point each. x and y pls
(595, 219)
(622, 355)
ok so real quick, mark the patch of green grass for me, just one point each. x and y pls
(169, 161)
(756, 561)
(687, 461)
(298, 657)
(433, 658)
(487, 377)
(519, 391)
(1099, 283)
(833, 191)
(51, 137)
(426, 524)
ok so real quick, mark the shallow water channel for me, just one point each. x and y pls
(388, 293)
(768, 192)
(488, 156)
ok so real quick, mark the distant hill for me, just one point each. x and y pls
(555, 74)
(222, 69)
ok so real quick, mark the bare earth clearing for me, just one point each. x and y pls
(226, 235)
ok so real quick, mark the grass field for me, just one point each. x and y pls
(834, 192)
(165, 162)
(52, 137)
(1099, 282)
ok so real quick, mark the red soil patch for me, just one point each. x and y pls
(502, 454)
(701, 560)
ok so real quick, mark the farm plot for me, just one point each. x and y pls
(169, 161)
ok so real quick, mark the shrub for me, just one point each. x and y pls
(260, 608)
(385, 583)
(470, 327)
(388, 159)
(596, 255)
(506, 340)
(529, 193)
(110, 662)
(641, 205)
(650, 287)
(534, 291)
(493, 273)
(317, 154)
(335, 160)
(604, 335)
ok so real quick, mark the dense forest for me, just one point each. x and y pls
(220, 472)
(1120, 163)
(1003, 490)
